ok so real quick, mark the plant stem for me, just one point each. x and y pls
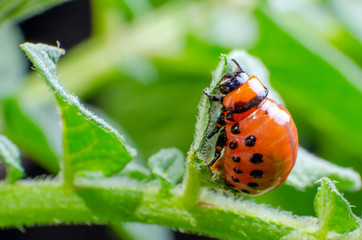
(68, 178)
(192, 182)
(48, 202)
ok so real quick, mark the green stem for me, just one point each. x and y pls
(48, 202)
(192, 181)
(67, 174)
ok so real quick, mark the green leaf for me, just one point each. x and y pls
(136, 171)
(309, 168)
(333, 210)
(28, 135)
(11, 61)
(354, 235)
(16, 10)
(168, 164)
(208, 114)
(10, 156)
(333, 22)
(90, 144)
(348, 12)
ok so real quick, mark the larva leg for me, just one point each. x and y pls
(220, 144)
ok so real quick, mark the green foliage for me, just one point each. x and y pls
(11, 61)
(318, 168)
(10, 156)
(89, 143)
(11, 10)
(333, 210)
(25, 132)
(168, 165)
(146, 65)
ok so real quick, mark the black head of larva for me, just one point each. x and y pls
(230, 82)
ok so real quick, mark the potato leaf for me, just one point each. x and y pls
(11, 61)
(168, 164)
(90, 144)
(11, 10)
(28, 135)
(333, 210)
(10, 156)
(309, 168)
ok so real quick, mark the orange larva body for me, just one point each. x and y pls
(261, 167)
(258, 135)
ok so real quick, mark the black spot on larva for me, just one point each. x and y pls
(267, 112)
(235, 128)
(233, 145)
(250, 141)
(240, 107)
(230, 116)
(229, 184)
(236, 159)
(237, 170)
(256, 173)
(224, 109)
(253, 185)
(256, 158)
(245, 191)
(235, 179)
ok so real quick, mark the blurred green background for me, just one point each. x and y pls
(144, 63)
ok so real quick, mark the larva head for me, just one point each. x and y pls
(231, 82)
